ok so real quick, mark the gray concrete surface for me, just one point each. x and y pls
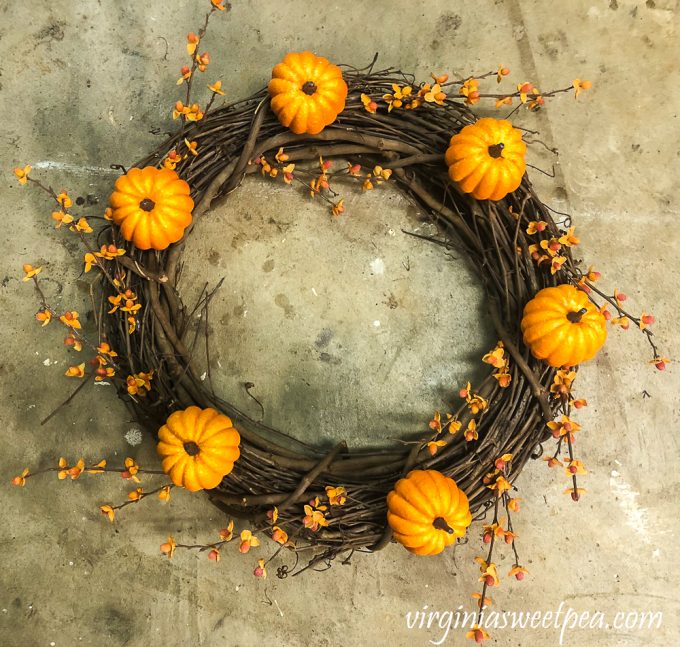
(83, 84)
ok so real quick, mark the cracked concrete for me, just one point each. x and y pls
(86, 83)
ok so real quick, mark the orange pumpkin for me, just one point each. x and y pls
(198, 448)
(427, 512)
(151, 206)
(308, 92)
(562, 326)
(486, 158)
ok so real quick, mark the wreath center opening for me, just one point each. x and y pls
(345, 327)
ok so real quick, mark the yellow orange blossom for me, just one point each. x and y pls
(192, 43)
(575, 467)
(98, 468)
(136, 494)
(103, 373)
(513, 504)
(62, 218)
(592, 275)
(248, 541)
(477, 634)
(471, 431)
(22, 174)
(227, 534)
(336, 495)
(108, 511)
(646, 319)
(503, 379)
(281, 156)
(82, 226)
(398, 96)
(109, 252)
(622, 321)
(20, 480)
(192, 147)
(496, 357)
(519, 572)
(288, 173)
(139, 383)
(260, 570)
(490, 575)
(568, 239)
(44, 316)
(454, 426)
(64, 200)
(537, 100)
(476, 403)
(186, 75)
(30, 271)
(313, 519)
(216, 88)
(502, 71)
(562, 382)
(575, 493)
(660, 362)
(73, 342)
(369, 105)
(203, 60)
(63, 471)
(105, 349)
(279, 535)
(556, 264)
(470, 90)
(434, 445)
(76, 371)
(500, 485)
(169, 547)
(435, 95)
(566, 426)
(70, 318)
(536, 226)
(524, 90)
(580, 85)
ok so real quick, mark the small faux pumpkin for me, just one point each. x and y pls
(486, 158)
(198, 448)
(563, 327)
(151, 206)
(307, 91)
(427, 511)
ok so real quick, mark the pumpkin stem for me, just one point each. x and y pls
(309, 88)
(147, 204)
(191, 448)
(575, 317)
(496, 150)
(440, 524)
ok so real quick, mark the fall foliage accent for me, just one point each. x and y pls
(151, 206)
(307, 92)
(427, 511)
(562, 326)
(486, 158)
(198, 447)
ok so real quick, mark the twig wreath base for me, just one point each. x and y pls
(274, 468)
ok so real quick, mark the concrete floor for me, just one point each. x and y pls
(82, 85)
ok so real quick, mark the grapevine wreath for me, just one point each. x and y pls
(317, 125)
